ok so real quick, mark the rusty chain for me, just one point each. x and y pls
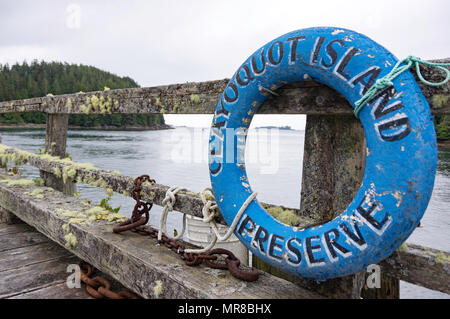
(99, 287)
(137, 224)
(141, 208)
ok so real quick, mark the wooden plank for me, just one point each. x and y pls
(201, 98)
(24, 256)
(58, 291)
(347, 287)
(423, 266)
(8, 218)
(15, 228)
(56, 134)
(389, 288)
(136, 261)
(21, 258)
(17, 281)
(432, 270)
(18, 240)
(333, 166)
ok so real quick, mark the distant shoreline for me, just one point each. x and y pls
(103, 127)
(441, 144)
(444, 144)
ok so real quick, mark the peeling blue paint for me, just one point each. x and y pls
(401, 154)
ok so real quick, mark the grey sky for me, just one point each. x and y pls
(163, 42)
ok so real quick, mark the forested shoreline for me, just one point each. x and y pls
(22, 81)
(442, 124)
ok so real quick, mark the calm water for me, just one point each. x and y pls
(274, 170)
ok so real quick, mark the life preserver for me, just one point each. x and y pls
(400, 163)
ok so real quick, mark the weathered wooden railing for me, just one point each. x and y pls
(332, 171)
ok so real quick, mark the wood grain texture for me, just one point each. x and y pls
(12, 229)
(389, 288)
(19, 240)
(39, 271)
(57, 291)
(35, 276)
(423, 266)
(28, 255)
(8, 218)
(55, 144)
(333, 166)
(187, 202)
(137, 261)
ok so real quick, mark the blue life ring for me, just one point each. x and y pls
(400, 163)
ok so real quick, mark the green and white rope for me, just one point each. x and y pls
(399, 68)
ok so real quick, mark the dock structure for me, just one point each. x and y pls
(333, 165)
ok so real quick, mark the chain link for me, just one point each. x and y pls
(141, 208)
(137, 224)
(99, 287)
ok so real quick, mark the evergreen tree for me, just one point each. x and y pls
(22, 81)
(442, 124)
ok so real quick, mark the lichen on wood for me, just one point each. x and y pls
(152, 270)
(201, 98)
(187, 202)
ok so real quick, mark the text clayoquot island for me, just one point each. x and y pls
(401, 153)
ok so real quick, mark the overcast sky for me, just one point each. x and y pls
(165, 42)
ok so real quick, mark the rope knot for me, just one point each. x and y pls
(168, 203)
(209, 218)
(399, 68)
(169, 200)
(413, 59)
(382, 83)
(209, 207)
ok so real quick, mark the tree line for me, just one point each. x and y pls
(442, 124)
(22, 81)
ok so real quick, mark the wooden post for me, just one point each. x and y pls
(55, 144)
(390, 289)
(333, 167)
(8, 218)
